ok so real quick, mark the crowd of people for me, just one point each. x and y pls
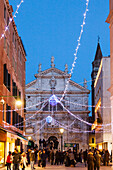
(91, 159)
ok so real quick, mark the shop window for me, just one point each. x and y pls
(2, 153)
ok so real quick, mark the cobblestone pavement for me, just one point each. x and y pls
(62, 167)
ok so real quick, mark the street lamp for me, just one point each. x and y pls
(18, 103)
(61, 131)
(29, 138)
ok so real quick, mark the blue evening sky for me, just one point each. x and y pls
(51, 28)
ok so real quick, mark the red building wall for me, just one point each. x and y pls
(12, 53)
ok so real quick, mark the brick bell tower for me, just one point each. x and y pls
(110, 21)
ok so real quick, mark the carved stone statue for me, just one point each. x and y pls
(85, 83)
(52, 62)
(66, 68)
(39, 68)
(52, 82)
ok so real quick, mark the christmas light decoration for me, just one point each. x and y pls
(49, 119)
(80, 119)
(53, 100)
(39, 129)
(11, 19)
(32, 115)
(76, 50)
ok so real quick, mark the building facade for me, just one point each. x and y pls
(49, 83)
(110, 21)
(12, 84)
(95, 67)
(103, 106)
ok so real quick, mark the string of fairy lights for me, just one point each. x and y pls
(76, 50)
(67, 83)
(57, 101)
(11, 19)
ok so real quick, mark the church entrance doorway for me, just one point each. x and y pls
(53, 142)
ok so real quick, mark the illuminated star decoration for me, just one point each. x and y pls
(49, 119)
(53, 100)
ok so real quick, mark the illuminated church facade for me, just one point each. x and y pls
(43, 99)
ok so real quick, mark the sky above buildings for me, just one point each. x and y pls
(52, 27)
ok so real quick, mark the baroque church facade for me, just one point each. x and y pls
(70, 113)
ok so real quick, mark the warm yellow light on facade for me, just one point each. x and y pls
(61, 130)
(98, 105)
(18, 103)
(29, 138)
(98, 74)
(100, 147)
(2, 101)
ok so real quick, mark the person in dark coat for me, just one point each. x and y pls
(85, 156)
(52, 157)
(106, 157)
(80, 155)
(16, 159)
(56, 158)
(43, 158)
(90, 160)
(67, 160)
(97, 161)
(28, 157)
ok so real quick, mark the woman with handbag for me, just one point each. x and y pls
(9, 161)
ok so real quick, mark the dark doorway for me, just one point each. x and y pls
(53, 142)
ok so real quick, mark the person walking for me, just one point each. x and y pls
(16, 159)
(81, 156)
(90, 160)
(106, 157)
(52, 157)
(97, 160)
(85, 156)
(28, 157)
(9, 161)
(32, 159)
(43, 158)
(71, 157)
(23, 161)
(56, 157)
(39, 157)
